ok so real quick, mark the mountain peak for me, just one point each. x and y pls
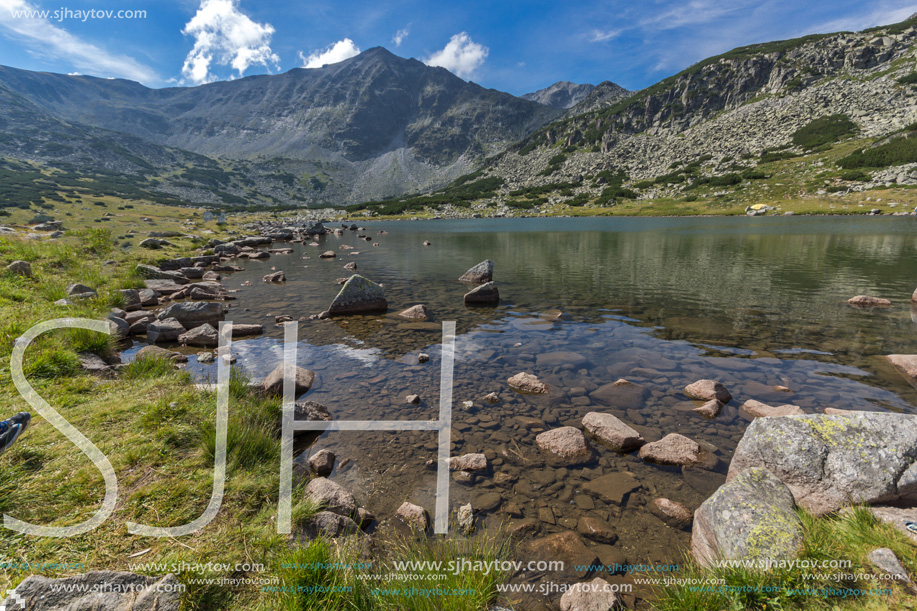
(560, 95)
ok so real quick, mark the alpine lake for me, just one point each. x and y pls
(755, 303)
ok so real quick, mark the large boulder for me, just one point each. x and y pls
(358, 295)
(130, 300)
(96, 590)
(272, 384)
(486, 294)
(906, 364)
(565, 446)
(151, 272)
(194, 313)
(829, 461)
(80, 291)
(751, 518)
(480, 273)
(612, 432)
(675, 449)
(164, 287)
(331, 496)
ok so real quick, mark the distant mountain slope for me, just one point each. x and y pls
(561, 95)
(845, 101)
(375, 124)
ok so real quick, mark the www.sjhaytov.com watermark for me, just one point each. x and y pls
(66, 14)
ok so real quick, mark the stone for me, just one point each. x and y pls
(20, 268)
(97, 590)
(887, 562)
(762, 410)
(151, 272)
(568, 548)
(750, 518)
(897, 517)
(675, 449)
(672, 513)
(906, 364)
(119, 326)
(272, 384)
(130, 300)
(413, 399)
(414, 516)
(328, 254)
(486, 294)
(596, 595)
(322, 462)
(418, 312)
(710, 409)
(708, 390)
(148, 297)
(480, 273)
(243, 330)
(565, 446)
(167, 330)
(205, 358)
(830, 461)
(156, 352)
(612, 488)
(194, 313)
(527, 384)
(212, 276)
(423, 357)
(358, 295)
(204, 335)
(276, 277)
(152, 243)
(489, 501)
(621, 394)
(93, 363)
(164, 287)
(612, 432)
(866, 301)
(465, 516)
(311, 410)
(595, 529)
(468, 462)
(192, 273)
(331, 496)
(80, 291)
(491, 398)
(330, 524)
(556, 359)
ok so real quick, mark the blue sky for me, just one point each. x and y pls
(516, 46)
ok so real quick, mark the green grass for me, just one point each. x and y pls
(897, 151)
(847, 536)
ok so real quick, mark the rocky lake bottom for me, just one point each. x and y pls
(755, 303)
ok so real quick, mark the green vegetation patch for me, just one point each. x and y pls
(897, 151)
(824, 130)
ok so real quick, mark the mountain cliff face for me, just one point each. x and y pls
(371, 126)
(561, 95)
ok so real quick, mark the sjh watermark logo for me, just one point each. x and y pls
(66, 14)
(443, 425)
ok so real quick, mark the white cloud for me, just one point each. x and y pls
(461, 55)
(332, 54)
(400, 35)
(602, 36)
(45, 39)
(223, 36)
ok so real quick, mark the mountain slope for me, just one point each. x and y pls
(561, 95)
(718, 130)
(379, 124)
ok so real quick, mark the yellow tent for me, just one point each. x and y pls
(759, 207)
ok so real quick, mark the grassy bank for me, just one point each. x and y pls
(156, 427)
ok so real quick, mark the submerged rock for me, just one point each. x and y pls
(358, 295)
(272, 384)
(866, 301)
(675, 449)
(672, 513)
(527, 383)
(762, 410)
(753, 517)
(414, 516)
(906, 364)
(621, 394)
(418, 312)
